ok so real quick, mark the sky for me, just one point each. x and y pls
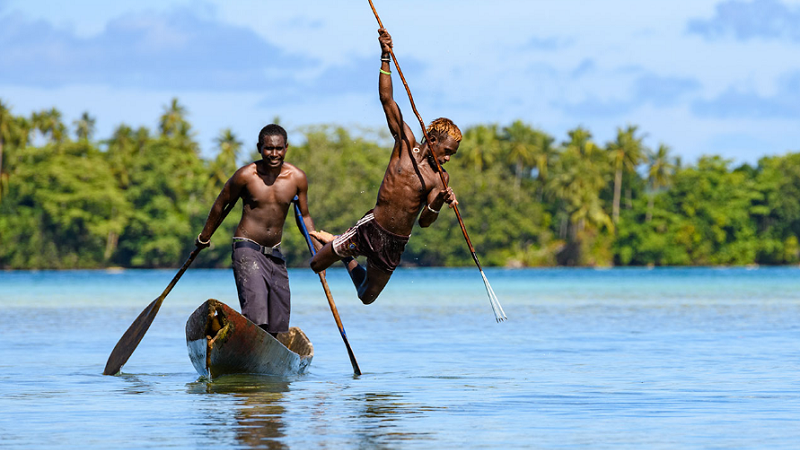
(703, 77)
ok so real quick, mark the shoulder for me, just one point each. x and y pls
(292, 170)
(244, 173)
(407, 137)
(294, 173)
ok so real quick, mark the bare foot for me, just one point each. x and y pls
(322, 236)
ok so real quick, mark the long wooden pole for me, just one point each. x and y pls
(498, 310)
(353, 362)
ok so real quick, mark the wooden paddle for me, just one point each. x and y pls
(130, 340)
(327, 290)
(499, 314)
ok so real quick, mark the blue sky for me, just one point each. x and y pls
(704, 77)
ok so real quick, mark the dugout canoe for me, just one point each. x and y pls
(221, 341)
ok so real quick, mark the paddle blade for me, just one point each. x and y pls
(130, 340)
(353, 362)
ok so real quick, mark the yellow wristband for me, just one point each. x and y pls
(385, 72)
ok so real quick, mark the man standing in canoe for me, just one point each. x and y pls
(266, 188)
(411, 184)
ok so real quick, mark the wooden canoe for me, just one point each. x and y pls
(221, 341)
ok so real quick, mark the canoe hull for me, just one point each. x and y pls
(221, 341)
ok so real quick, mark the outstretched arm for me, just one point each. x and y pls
(219, 210)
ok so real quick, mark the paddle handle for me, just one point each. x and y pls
(183, 268)
(327, 290)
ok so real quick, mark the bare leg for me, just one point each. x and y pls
(373, 284)
(357, 272)
(369, 282)
(324, 258)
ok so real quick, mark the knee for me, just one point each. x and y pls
(316, 266)
(365, 296)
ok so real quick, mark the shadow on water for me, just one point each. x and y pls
(257, 406)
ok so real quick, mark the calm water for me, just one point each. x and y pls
(623, 358)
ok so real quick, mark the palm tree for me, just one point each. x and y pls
(481, 146)
(172, 123)
(84, 127)
(626, 152)
(6, 132)
(225, 164)
(49, 123)
(13, 134)
(530, 148)
(661, 169)
(121, 153)
(578, 176)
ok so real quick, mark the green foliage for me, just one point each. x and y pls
(138, 199)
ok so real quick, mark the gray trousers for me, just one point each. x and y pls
(263, 286)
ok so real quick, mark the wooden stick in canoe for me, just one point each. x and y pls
(499, 314)
(327, 290)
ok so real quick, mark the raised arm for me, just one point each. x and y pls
(394, 117)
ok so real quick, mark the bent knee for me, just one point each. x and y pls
(367, 295)
(316, 266)
(367, 299)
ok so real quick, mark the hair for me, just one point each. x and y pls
(442, 127)
(271, 130)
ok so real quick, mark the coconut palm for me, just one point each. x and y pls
(84, 127)
(577, 178)
(661, 169)
(480, 146)
(6, 132)
(225, 164)
(13, 134)
(173, 122)
(626, 153)
(49, 123)
(529, 148)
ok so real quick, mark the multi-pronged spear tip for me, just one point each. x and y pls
(499, 314)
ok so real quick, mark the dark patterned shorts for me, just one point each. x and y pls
(382, 248)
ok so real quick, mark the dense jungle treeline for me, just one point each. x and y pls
(139, 198)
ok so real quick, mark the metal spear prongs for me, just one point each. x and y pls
(499, 314)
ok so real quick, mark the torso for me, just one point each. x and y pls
(266, 198)
(405, 188)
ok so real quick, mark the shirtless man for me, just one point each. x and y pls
(411, 184)
(266, 188)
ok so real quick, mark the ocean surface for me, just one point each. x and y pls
(672, 358)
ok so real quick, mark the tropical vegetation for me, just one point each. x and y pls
(139, 197)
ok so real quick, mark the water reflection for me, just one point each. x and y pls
(258, 409)
(134, 384)
(382, 416)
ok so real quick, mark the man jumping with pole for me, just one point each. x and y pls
(411, 184)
